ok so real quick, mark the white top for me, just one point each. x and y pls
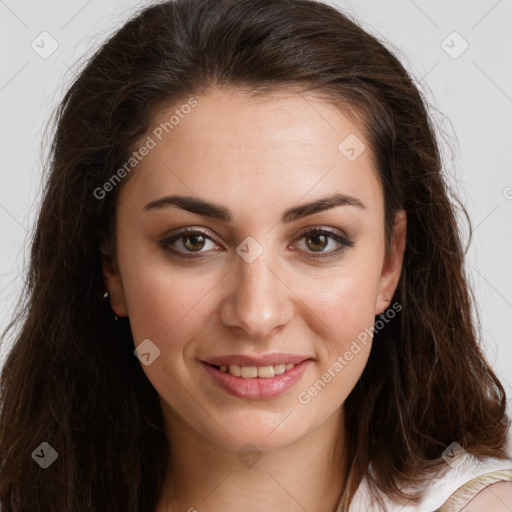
(449, 493)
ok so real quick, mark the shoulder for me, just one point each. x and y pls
(496, 497)
(470, 485)
(489, 491)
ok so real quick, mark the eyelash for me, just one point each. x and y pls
(344, 243)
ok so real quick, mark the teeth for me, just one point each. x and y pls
(234, 370)
(265, 372)
(248, 372)
(251, 372)
(280, 368)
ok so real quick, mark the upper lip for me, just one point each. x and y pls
(263, 360)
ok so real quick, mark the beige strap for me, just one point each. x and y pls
(463, 495)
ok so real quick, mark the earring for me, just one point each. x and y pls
(106, 296)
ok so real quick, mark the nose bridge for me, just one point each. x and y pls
(257, 299)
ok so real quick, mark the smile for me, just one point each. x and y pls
(256, 382)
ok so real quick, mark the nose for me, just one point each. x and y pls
(258, 300)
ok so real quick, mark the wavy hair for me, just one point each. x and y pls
(71, 378)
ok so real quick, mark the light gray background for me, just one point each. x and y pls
(471, 95)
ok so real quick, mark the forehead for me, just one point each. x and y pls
(233, 147)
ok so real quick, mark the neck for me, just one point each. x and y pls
(203, 476)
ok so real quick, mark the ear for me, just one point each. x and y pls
(392, 267)
(113, 283)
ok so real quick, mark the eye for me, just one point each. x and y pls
(316, 241)
(192, 240)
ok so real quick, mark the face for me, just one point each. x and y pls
(252, 284)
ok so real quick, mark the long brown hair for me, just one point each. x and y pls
(71, 378)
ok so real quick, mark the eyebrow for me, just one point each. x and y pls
(209, 209)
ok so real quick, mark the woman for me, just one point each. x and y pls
(317, 353)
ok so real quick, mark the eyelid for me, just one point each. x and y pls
(315, 227)
(181, 233)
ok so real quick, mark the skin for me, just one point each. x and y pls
(257, 157)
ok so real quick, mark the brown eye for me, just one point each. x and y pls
(193, 242)
(187, 242)
(317, 240)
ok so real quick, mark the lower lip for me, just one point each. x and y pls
(258, 388)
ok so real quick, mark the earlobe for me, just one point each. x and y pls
(392, 267)
(114, 285)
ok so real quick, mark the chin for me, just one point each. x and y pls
(268, 433)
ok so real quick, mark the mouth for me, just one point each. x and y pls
(256, 381)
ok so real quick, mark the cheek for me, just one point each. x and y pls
(344, 301)
(161, 300)
(344, 316)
